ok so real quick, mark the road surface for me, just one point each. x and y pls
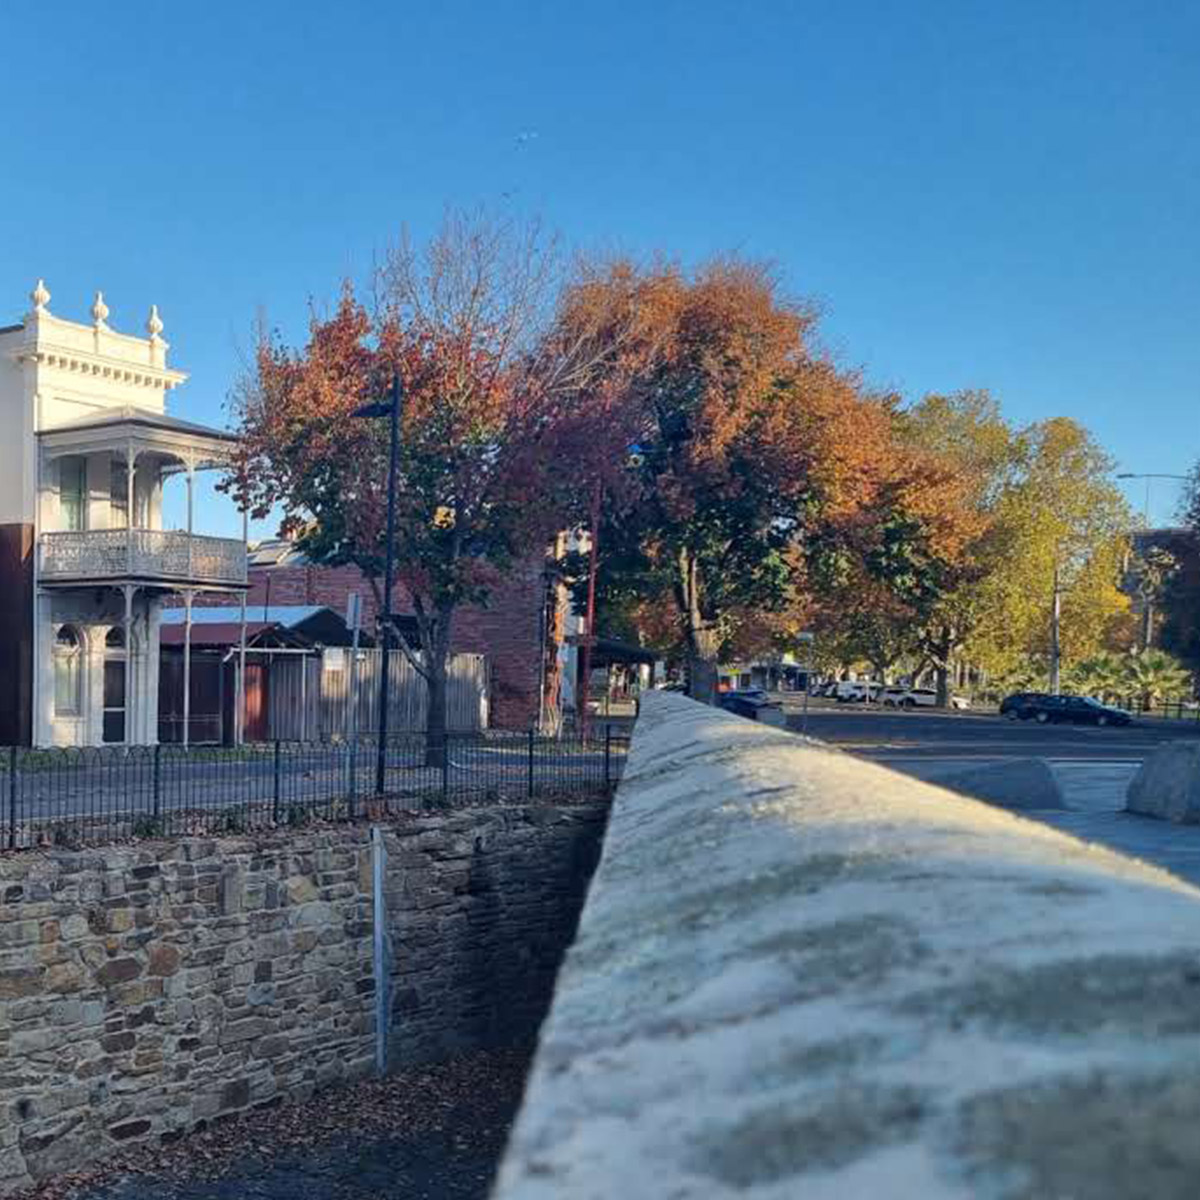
(1093, 766)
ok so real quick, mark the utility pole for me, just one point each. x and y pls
(1055, 644)
(586, 666)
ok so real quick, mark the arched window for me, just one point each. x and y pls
(115, 699)
(68, 671)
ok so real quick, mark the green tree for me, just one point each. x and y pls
(967, 432)
(1059, 524)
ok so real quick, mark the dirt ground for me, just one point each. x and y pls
(433, 1133)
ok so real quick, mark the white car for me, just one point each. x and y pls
(899, 697)
(856, 691)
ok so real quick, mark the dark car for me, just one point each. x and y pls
(754, 704)
(1079, 710)
(1012, 706)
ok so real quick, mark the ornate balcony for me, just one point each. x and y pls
(155, 555)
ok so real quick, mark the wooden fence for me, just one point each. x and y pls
(309, 697)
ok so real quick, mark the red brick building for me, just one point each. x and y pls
(510, 632)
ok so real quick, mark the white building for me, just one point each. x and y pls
(85, 563)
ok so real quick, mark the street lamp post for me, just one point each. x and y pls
(391, 410)
(1148, 476)
(1147, 599)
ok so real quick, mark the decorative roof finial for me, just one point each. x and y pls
(154, 325)
(99, 309)
(40, 296)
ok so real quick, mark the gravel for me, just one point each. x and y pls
(431, 1133)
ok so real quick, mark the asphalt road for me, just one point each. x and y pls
(896, 733)
(1092, 767)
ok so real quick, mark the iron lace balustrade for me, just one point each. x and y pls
(166, 554)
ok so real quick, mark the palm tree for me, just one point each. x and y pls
(1153, 675)
(1025, 675)
(1104, 676)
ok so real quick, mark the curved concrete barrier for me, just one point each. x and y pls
(801, 975)
(1167, 784)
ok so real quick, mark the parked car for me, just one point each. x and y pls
(1012, 706)
(1079, 710)
(755, 705)
(918, 697)
(856, 691)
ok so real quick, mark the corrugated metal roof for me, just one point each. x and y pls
(222, 633)
(276, 552)
(140, 416)
(287, 615)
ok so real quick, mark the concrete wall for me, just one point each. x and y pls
(799, 975)
(146, 989)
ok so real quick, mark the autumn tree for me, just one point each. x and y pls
(490, 406)
(744, 441)
(978, 451)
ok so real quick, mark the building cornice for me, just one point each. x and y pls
(103, 366)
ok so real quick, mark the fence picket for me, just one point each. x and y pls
(70, 797)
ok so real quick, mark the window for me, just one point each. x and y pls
(119, 496)
(72, 492)
(115, 699)
(68, 671)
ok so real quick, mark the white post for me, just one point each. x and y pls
(239, 722)
(380, 949)
(191, 507)
(354, 619)
(130, 470)
(303, 695)
(187, 663)
(129, 738)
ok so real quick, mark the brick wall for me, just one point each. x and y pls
(147, 989)
(507, 631)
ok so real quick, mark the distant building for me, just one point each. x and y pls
(515, 632)
(85, 563)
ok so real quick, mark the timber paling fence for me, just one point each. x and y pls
(87, 796)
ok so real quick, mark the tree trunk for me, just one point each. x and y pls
(436, 646)
(702, 667)
(943, 684)
(702, 642)
(435, 715)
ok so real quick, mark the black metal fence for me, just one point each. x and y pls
(85, 796)
(1171, 710)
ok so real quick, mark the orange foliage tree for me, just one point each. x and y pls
(494, 410)
(750, 453)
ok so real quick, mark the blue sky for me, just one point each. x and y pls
(978, 194)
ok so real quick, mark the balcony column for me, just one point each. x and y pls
(130, 475)
(187, 662)
(128, 589)
(190, 463)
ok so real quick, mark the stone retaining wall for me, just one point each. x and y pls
(800, 975)
(150, 988)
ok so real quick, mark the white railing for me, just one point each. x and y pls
(166, 554)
